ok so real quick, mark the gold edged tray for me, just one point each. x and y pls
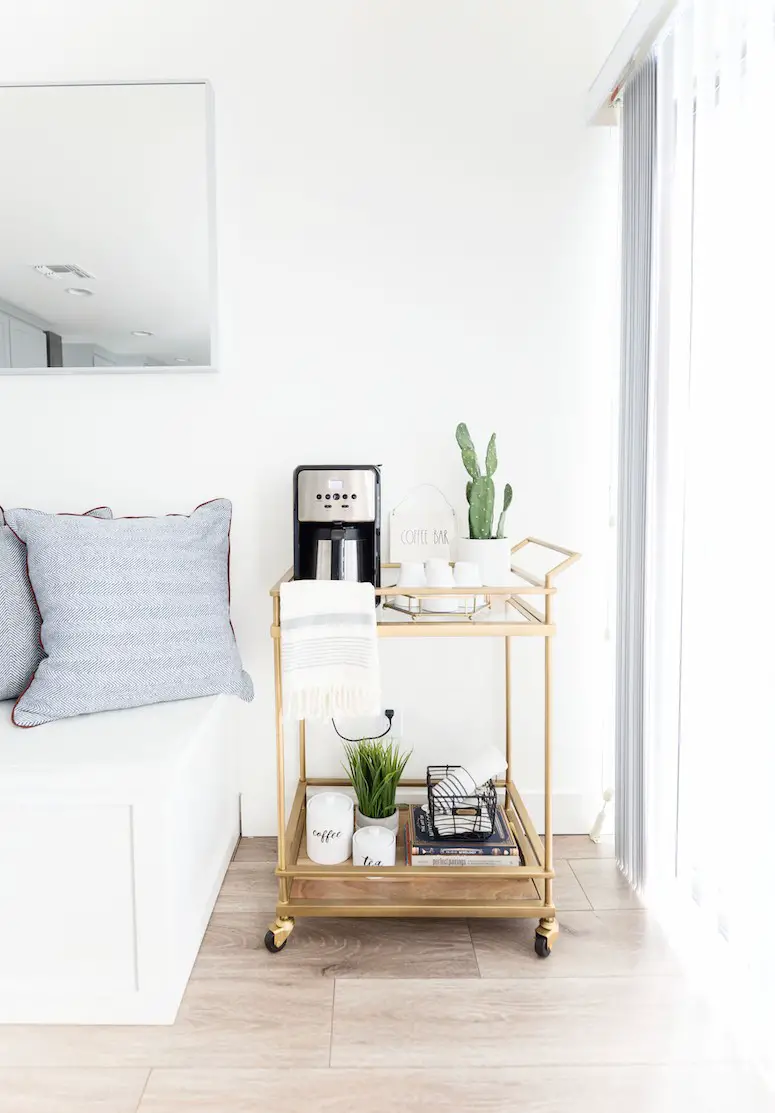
(406, 890)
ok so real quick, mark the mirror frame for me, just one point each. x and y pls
(212, 239)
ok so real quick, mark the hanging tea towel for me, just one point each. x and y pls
(329, 649)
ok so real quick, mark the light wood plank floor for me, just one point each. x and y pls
(380, 1014)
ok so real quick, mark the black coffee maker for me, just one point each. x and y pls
(336, 523)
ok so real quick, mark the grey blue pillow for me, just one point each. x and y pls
(20, 648)
(135, 611)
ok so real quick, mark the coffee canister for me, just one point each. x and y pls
(329, 828)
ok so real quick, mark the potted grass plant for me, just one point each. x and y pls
(375, 768)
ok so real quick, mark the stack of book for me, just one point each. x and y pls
(423, 848)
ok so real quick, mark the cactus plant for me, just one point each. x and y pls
(480, 489)
(508, 495)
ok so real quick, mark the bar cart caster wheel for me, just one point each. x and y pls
(543, 949)
(546, 933)
(271, 946)
(278, 935)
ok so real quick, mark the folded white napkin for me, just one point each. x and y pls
(329, 649)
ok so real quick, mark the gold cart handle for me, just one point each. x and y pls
(570, 558)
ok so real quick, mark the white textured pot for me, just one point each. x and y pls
(391, 822)
(492, 557)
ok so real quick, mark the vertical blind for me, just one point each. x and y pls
(710, 617)
(638, 166)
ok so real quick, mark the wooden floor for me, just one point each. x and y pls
(372, 1016)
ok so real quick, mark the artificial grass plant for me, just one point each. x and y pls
(375, 768)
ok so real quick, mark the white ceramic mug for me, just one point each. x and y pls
(467, 574)
(374, 846)
(439, 574)
(329, 828)
(410, 574)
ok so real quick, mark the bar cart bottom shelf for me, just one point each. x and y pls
(498, 892)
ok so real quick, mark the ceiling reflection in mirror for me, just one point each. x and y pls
(105, 248)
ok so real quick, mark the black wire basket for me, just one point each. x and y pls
(458, 812)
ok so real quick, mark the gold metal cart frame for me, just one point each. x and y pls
(307, 889)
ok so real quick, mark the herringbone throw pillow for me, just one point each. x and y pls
(20, 648)
(135, 611)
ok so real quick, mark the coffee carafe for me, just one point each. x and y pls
(338, 553)
(336, 512)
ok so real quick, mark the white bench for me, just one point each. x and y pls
(115, 834)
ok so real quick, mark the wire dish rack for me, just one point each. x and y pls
(521, 608)
(456, 813)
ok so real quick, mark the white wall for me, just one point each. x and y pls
(415, 228)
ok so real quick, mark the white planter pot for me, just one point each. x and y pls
(492, 557)
(391, 822)
(329, 828)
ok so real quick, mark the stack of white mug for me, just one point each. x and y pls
(439, 573)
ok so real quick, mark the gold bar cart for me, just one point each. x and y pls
(307, 889)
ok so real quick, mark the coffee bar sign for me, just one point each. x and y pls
(422, 527)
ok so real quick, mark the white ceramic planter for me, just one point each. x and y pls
(493, 558)
(391, 822)
(329, 828)
(374, 846)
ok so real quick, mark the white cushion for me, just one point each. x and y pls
(117, 755)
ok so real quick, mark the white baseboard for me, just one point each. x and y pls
(573, 813)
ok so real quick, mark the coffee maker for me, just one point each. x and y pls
(336, 523)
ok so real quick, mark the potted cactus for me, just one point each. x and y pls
(491, 551)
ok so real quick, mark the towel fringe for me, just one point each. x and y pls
(323, 701)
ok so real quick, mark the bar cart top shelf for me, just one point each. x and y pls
(508, 611)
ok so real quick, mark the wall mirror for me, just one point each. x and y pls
(107, 244)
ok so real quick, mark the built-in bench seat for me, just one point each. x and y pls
(115, 833)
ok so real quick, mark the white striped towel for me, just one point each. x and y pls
(329, 649)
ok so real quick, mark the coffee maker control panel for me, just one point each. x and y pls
(333, 495)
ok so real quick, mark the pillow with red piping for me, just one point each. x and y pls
(135, 611)
(20, 646)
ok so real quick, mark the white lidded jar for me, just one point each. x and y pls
(374, 846)
(329, 828)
